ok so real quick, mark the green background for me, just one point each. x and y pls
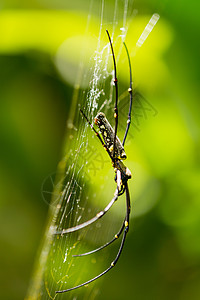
(161, 259)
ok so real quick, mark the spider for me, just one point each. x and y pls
(116, 152)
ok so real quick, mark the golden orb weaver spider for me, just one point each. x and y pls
(116, 152)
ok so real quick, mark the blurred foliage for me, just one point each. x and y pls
(161, 259)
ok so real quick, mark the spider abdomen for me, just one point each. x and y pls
(108, 134)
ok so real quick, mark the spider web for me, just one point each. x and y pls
(84, 175)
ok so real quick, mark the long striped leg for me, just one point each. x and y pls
(126, 224)
(102, 247)
(130, 90)
(97, 217)
(116, 97)
(117, 235)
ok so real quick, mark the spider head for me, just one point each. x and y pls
(99, 118)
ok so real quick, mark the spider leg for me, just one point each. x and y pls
(126, 224)
(97, 217)
(130, 90)
(121, 191)
(116, 97)
(107, 244)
